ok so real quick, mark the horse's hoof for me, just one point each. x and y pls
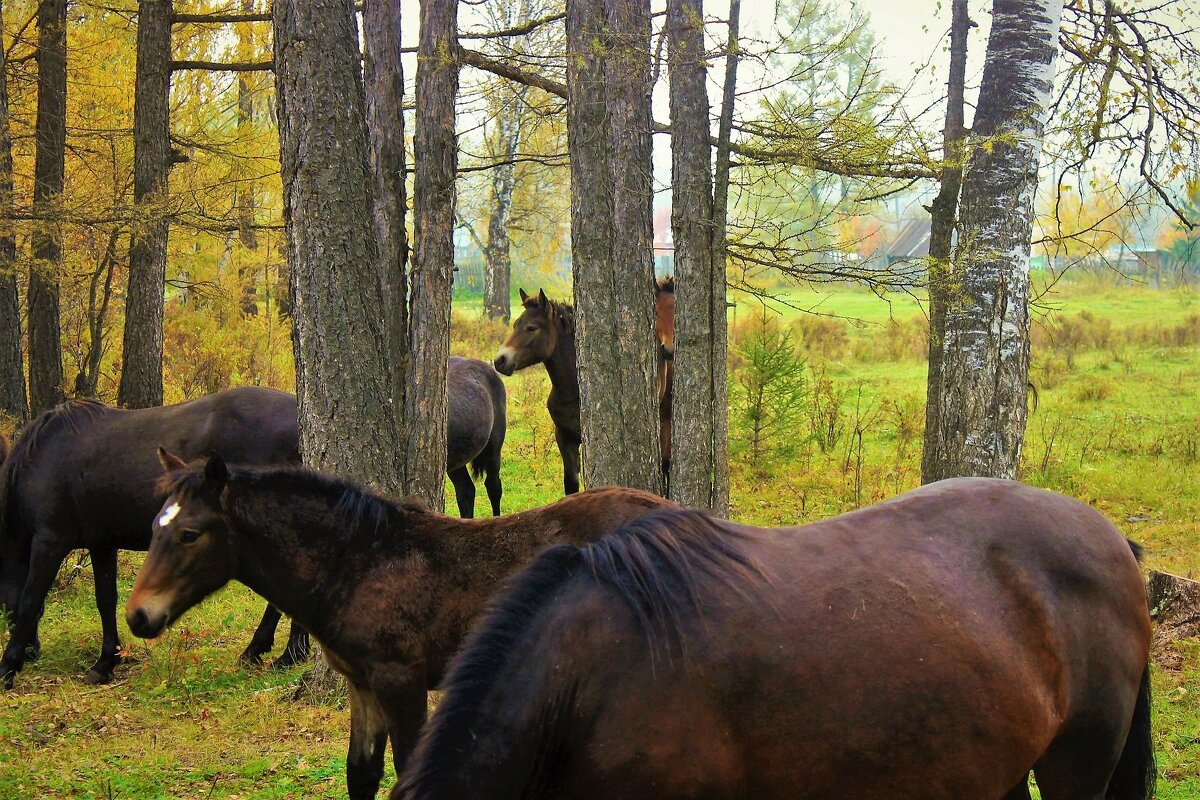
(249, 659)
(288, 660)
(95, 677)
(7, 676)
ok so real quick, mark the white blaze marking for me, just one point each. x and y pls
(168, 514)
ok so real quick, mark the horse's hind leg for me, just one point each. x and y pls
(464, 491)
(296, 650)
(104, 573)
(263, 640)
(44, 561)
(569, 450)
(1079, 767)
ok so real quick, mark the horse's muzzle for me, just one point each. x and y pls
(504, 365)
(142, 625)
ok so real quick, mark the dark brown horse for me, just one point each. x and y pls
(475, 427)
(387, 588)
(545, 334)
(82, 475)
(940, 645)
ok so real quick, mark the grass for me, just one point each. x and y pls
(1118, 427)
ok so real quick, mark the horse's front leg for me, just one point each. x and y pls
(368, 740)
(104, 574)
(404, 701)
(568, 448)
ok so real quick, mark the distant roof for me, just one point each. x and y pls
(911, 241)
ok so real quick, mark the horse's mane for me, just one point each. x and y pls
(662, 565)
(357, 505)
(564, 311)
(71, 413)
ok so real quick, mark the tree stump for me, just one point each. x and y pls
(1175, 607)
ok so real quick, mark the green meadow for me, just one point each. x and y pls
(1116, 373)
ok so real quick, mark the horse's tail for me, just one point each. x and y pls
(1136, 773)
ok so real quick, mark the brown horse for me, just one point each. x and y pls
(545, 334)
(940, 645)
(82, 475)
(387, 588)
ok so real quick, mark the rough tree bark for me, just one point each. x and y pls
(350, 422)
(985, 350)
(696, 471)
(608, 133)
(497, 275)
(45, 351)
(435, 151)
(942, 215)
(142, 351)
(384, 78)
(13, 402)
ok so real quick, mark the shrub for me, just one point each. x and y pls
(1093, 390)
(771, 386)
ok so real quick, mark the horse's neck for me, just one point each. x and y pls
(561, 365)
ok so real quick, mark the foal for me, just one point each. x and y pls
(388, 588)
(545, 334)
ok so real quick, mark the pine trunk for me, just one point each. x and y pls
(45, 350)
(608, 131)
(436, 155)
(384, 79)
(13, 403)
(142, 353)
(985, 350)
(941, 234)
(696, 471)
(350, 423)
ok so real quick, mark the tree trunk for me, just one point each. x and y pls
(384, 79)
(436, 156)
(497, 302)
(985, 351)
(696, 473)
(45, 350)
(720, 259)
(13, 403)
(1175, 607)
(608, 131)
(142, 352)
(350, 423)
(941, 233)
(244, 197)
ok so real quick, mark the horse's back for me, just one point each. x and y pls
(962, 627)
(476, 405)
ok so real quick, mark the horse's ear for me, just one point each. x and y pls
(170, 461)
(542, 301)
(524, 297)
(215, 472)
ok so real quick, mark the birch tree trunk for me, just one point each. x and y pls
(435, 151)
(13, 402)
(942, 215)
(608, 133)
(497, 276)
(696, 471)
(50, 131)
(142, 353)
(985, 351)
(384, 78)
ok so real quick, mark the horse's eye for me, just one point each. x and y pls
(188, 537)
(531, 328)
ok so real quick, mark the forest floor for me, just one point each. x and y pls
(1117, 424)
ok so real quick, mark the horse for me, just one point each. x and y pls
(544, 333)
(388, 588)
(82, 475)
(940, 645)
(475, 427)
